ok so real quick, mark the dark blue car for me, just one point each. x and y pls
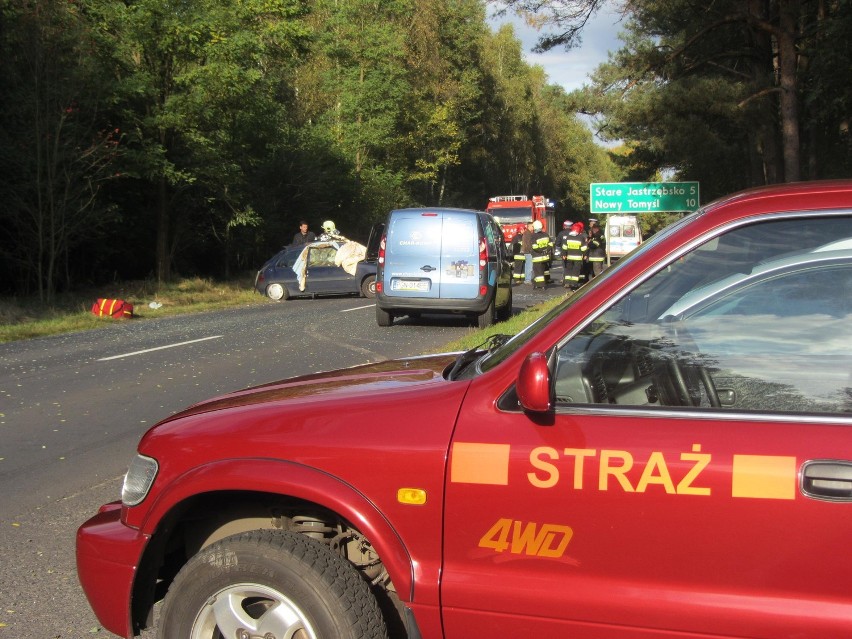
(318, 268)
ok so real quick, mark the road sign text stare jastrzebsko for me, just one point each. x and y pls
(643, 197)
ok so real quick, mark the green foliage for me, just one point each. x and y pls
(697, 90)
(159, 138)
(57, 146)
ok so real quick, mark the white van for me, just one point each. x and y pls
(623, 234)
(443, 260)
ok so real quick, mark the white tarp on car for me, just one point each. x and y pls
(347, 257)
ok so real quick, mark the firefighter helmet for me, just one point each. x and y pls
(537, 225)
(328, 226)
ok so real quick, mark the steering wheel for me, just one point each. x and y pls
(683, 340)
(676, 369)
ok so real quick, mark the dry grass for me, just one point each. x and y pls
(27, 318)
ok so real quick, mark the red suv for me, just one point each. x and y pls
(666, 454)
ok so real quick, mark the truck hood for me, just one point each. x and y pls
(337, 384)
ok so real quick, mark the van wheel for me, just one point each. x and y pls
(368, 287)
(487, 318)
(270, 583)
(505, 311)
(383, 318)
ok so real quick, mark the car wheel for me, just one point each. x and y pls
(277, 292)
(368, 286)
(487, 318)
(383, 318)
(269, 583)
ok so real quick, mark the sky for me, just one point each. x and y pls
(571, 69)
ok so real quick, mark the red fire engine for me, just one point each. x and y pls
(512, 213)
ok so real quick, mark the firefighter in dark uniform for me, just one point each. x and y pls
(574, 253)
(559, 240)
(541, 255)
(521, 248)
(597, 249)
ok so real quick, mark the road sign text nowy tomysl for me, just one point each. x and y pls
(643, 197)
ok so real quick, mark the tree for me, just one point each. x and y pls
(567, 17)
(202, 89)
(57, 146)
(746, 58)
(573, 159)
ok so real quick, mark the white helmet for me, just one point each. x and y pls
(328, 226)
(537, 225)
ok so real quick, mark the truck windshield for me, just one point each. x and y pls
(499, 354)
(516, 215)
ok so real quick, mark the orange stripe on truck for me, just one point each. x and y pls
(764, 477)
(474, 463)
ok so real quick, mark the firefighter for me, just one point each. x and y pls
(521, 249)
(597, 249)
(560, 240)
(574, 249)
(330, 232)
(541, 253)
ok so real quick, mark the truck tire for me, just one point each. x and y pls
(383, 318)
(269, 583)
(368, 287)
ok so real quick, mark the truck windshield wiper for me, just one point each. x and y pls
(464, 359)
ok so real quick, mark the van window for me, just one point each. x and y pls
(460, 235)
(417, 236)
(493, 236)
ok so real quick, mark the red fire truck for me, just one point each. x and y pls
(512, 212)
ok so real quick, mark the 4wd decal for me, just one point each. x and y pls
(539, 540)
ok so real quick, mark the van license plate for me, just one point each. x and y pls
(410, 285)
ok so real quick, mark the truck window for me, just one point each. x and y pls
(517, 215)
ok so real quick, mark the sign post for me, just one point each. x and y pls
(631, 198)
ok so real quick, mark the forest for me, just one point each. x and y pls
(153, 139)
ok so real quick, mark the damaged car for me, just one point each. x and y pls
(318, 268)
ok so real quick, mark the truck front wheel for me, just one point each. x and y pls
(271, 584)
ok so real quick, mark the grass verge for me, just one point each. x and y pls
(28, 318)
(512, 326)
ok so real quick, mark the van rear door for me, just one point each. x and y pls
(622, 235)
(460, 256)
(431, 254)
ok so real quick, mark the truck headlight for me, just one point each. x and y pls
(138, 480)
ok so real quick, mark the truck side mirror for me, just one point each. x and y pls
(533, 385)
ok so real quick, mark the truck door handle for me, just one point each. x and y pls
(428, 269)
(829, 480)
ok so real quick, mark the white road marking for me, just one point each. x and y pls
(357, 308)
(158, 348)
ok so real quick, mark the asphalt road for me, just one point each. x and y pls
(73, 407)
